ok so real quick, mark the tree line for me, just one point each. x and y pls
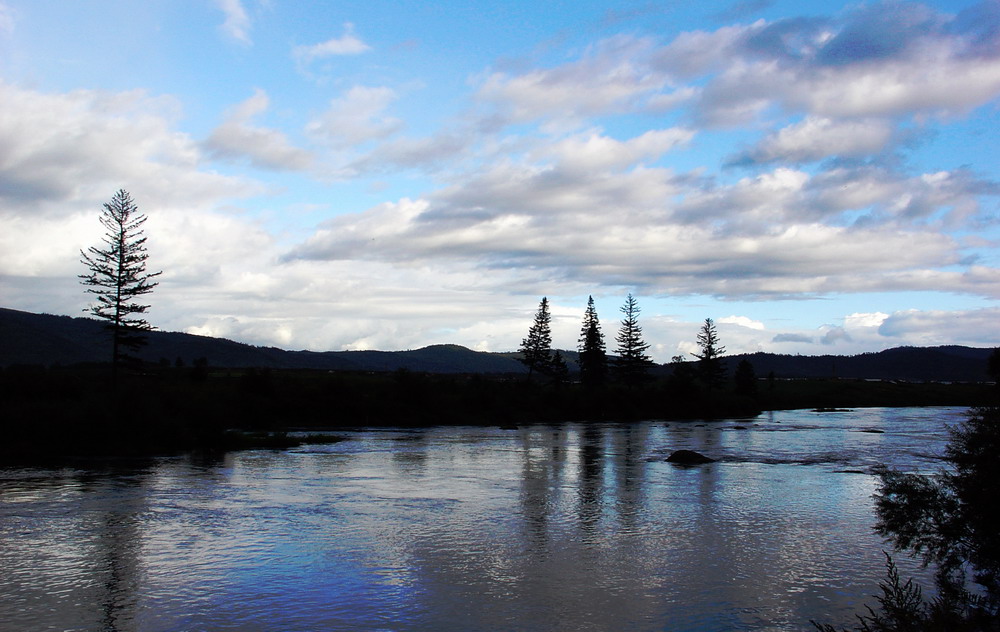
(630, 364)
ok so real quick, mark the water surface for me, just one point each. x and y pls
(544, 527)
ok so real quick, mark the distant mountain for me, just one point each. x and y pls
(43, 339)
(914, 364)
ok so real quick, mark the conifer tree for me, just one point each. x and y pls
(117, 276)
(536, 349)
(558, 369)
(593, 358)
(710, 367)
(632, 363)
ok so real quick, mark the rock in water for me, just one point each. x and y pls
(689, 457)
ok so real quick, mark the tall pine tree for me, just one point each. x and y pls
(117, 276)
(710, 368)
(632, 363)
(536, 349)
(593, 359)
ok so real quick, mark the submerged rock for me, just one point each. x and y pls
(689, 457)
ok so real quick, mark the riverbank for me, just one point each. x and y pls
(58, 412)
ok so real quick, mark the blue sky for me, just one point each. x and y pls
(817, 177)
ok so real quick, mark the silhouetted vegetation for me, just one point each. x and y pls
(745, 379)
(951, 520)
(47, 340)
(52, 410)
(117, 277)
(63, 411)
(536, 348)
(711, 371)
(593, 358)
(631, 365)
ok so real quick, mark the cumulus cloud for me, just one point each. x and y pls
(816, 138)
(936, 327)
(81, 146)
(864, 319)
(595, 152)
(834, 335)
(548, 220)
(237, 138)
(883, 59)
(346, 44)
(742, 321)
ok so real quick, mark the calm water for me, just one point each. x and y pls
(566, 527)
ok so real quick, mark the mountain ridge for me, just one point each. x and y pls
(28, 338)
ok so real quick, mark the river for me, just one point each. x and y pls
(543, 527)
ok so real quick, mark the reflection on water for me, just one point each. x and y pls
(573, 526)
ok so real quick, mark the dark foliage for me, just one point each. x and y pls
(901, 607)
(593, 358)
(632, 365)
(711, 370)
(993, 366)
(912, 364)
(950, 519)
(46, 340)
(53, 411)
(536, 348)
(117, 277)
(558, 369)
(745, 379)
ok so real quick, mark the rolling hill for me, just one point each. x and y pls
(42, 339)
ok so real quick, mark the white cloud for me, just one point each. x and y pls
(593, 152)
(742, 321)
(238, 138)
(935, 327)
(356, 117)
(612, 78)
(862, 319)
(64, 152)
(695, 53)
(880, 60)
(816, 138)
(943, 81)
(237, 24)
(347, 44)
(532, 218)
(445, 149)
(835, 335)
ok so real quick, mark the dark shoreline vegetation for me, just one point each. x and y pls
(57, 413)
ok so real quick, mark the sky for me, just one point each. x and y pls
(816, 177)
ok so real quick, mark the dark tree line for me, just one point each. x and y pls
(630, 363)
